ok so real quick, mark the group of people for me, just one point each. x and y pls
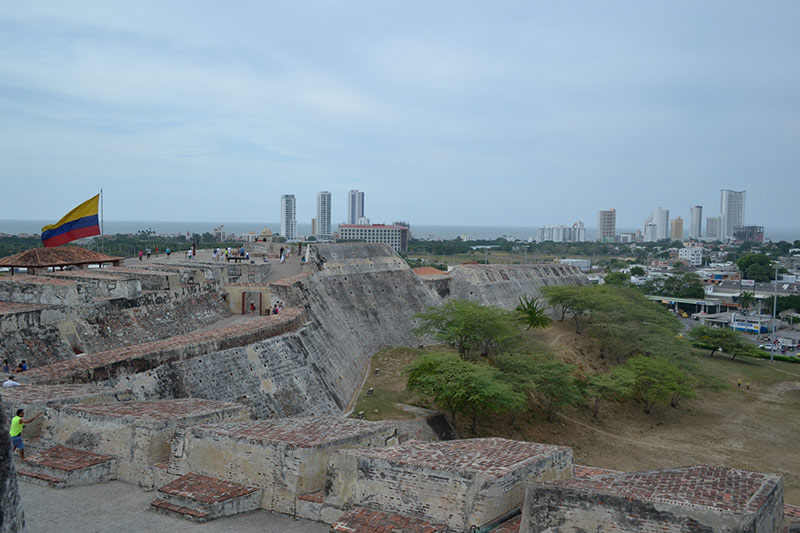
(218, 254)
(21, 367)
(277, 308)
(149, 252)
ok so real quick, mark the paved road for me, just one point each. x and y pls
(117, 506)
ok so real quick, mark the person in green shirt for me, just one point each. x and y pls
(17, 424)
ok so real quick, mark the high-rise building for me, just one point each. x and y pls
(355, 206)
(661, 220)
(714, 228)
(696, 222)
(676, 229)
(731, 207)
(650, 232)
(606, 225)
(323, 214)
(288, 217)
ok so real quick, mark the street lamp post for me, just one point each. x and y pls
(774, 309)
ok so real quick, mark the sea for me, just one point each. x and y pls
(111, 227)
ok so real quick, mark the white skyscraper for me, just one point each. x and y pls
(288, 217)
(696, 222)
(323, 214)
(731, 207)
(661, 220)
(355, 206)
(714, 228)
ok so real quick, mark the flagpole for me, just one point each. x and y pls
(102, 233)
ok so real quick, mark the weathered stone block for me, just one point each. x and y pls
(461, 483)
(698, 498)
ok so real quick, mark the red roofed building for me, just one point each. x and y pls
(394, 236)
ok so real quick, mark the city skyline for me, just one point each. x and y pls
(450, 114)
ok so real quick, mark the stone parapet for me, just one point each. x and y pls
(116, 363)
(699, 498)
(43, 290)
(460, 483)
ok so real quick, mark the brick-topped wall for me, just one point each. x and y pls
(457, 483)
(701, 498)
(286, 457)
(113, 364)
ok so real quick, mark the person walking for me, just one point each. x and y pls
(6, 367)
(17, 425)
(252, 309)
(141, 253)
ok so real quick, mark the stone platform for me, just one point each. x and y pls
(286, 457)
(698, 498)
(202, 498)
(61, 467)
(137, 433)
(461, 483)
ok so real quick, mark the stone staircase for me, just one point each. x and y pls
(60, 467)
(202, 498)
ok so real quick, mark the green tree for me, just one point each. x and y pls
(637, 271)
(468, 326)
(554, 382)
(658, 382)
(571, 299)
(687, 285)
(617, 278)
(459, 386)
(724, 339)
(532, 313)
(746, 300)
(617, 385)
(757, 267)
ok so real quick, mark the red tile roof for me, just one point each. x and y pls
(56, 256)
(428, 271)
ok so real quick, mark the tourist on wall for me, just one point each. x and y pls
(17, 425)
(10, 382)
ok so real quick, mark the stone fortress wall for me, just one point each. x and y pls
(163, 397)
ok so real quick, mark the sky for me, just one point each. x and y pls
(450, 113)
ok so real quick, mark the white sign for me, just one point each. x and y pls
(748, 283)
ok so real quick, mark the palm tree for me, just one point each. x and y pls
(746, 300)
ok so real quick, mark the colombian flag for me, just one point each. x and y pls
(79, 223)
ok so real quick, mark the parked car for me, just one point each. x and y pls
(767, 347)
(684, 314)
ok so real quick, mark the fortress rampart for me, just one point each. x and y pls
(170, 390)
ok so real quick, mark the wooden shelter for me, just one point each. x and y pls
(55, 257)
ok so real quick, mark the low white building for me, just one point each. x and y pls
(693, 255)
(394, 236)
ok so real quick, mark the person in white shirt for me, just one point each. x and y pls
(10, 382)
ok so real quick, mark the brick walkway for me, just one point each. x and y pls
(158, 410)
(714, 487)
(359, 520)
(295, 432)
(66, 459)
(142, 357)
(205, 489)
(492, 456)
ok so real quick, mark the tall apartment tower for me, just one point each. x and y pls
(606, 225)
(355, 206)
(288, 217)
(661, 220)
(695, 222)
(676, 229)
(731, 207)
(714, 228)
(323, 214)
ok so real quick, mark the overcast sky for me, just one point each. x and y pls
(479, 113)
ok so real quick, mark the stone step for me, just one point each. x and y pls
(60, 467)
(42, 479)
(201, 498)
(178, 511)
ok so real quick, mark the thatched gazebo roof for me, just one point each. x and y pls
(58, 256)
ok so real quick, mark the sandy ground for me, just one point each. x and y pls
(117, 506)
